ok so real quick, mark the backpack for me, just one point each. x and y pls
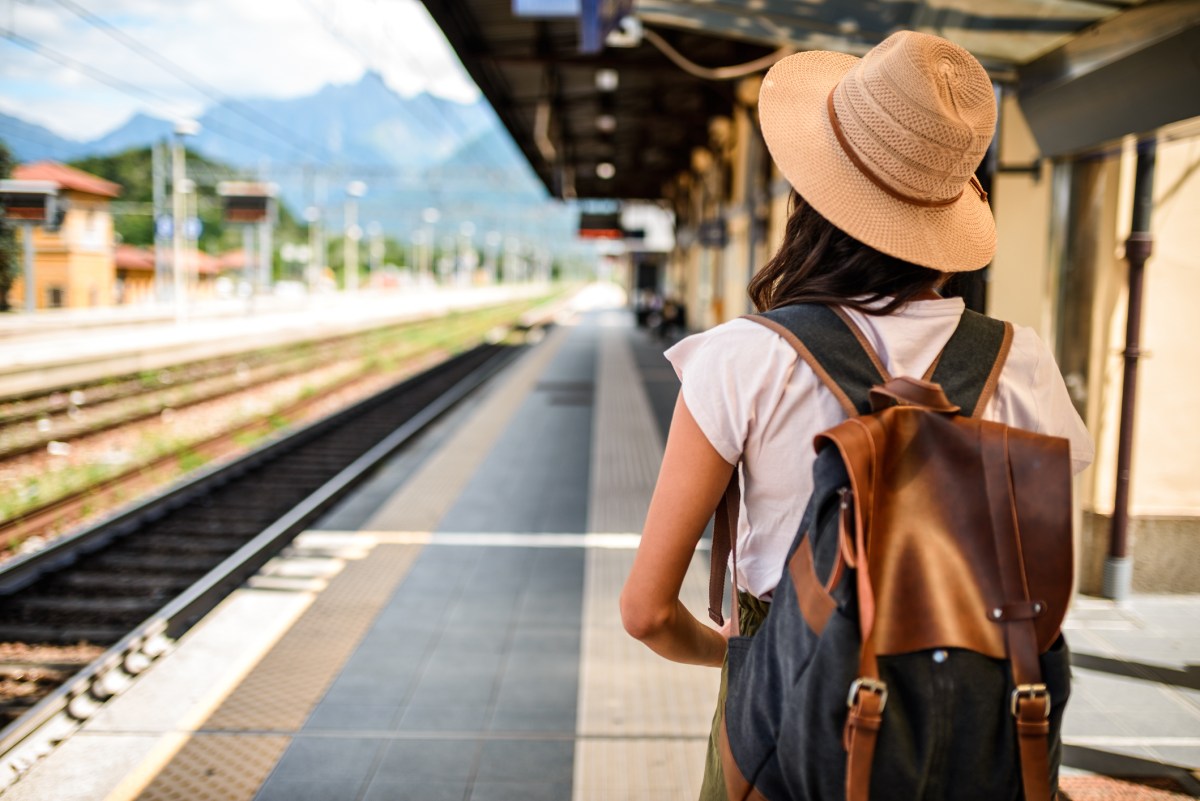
(913, 646)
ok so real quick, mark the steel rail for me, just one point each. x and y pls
(83, 693)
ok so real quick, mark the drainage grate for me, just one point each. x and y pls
(568, 393)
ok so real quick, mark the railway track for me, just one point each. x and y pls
(81, 618)
(29, 424)
(138, 448)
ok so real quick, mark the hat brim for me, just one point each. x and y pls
(795, 124)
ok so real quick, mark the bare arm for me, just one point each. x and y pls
(690, 483)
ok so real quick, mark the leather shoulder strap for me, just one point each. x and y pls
(833, 347)
(969, 367)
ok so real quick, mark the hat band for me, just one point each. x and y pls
(879, 182)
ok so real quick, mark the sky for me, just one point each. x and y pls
(236, 48)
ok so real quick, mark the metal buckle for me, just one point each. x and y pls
(1030, 691)
(871, 685)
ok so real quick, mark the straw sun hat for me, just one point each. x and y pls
(885, 147)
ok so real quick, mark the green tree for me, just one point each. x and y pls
(8, 240)
(132, 170)
(135, 224)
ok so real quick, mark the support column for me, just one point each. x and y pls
(1118, 567)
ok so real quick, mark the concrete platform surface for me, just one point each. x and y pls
(451, 632)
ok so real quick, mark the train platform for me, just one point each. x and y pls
(451, 631)
(60, 347)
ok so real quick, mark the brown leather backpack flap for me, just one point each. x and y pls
(1040, 467)
(931, 552)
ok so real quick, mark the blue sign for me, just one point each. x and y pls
(164, 227)
(597, 19)
(546, 8)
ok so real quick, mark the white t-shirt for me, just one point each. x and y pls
(759, 403)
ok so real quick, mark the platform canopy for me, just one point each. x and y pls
(586, 136)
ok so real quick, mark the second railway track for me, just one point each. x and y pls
(78, 619)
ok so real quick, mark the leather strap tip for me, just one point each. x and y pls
(716, 617)
(865, 723)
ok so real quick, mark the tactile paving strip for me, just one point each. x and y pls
(626, 445)
(219, 761)
(1103, 788)
(218, 767)
(642, 721)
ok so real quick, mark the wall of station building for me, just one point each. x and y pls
(1059, 269)
(73, 266)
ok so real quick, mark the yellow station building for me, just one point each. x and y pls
(73, 266)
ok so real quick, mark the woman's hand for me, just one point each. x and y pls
(691, 481)
(726, 629)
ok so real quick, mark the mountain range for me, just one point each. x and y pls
(413, 152)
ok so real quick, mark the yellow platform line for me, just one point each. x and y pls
(227, 755)
(424, 500)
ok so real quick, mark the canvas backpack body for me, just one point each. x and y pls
(913, 647)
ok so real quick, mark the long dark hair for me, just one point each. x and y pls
(819, 263)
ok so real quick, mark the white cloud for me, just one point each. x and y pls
(265, 48)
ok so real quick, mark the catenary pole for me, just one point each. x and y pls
(158, 170)
(177, 215)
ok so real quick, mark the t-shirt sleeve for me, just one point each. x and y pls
(1041, 401)
(731, 376)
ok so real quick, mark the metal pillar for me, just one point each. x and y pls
(265, 248)
(158, 170)
(350, 247)
(1118, 567)
(249, 272)
(178, 222)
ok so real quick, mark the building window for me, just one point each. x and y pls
(55, 297)
(92, 235)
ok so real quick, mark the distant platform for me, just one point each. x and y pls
(60, 347)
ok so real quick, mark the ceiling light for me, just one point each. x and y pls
(607, 80)
(606, 123)
(605, 170)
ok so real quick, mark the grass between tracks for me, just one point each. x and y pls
(366, 364)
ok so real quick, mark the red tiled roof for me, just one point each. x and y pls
(203, 263)
(130, 257)
(233, 260)
(67, 177)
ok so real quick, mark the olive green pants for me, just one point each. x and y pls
(753, 612)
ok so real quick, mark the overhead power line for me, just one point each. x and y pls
(241, 109)
(90, 71)
(125, 87)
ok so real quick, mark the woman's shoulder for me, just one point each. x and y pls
(736, 355)
(1028, 355)
(732, 339)
(1033, 395)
